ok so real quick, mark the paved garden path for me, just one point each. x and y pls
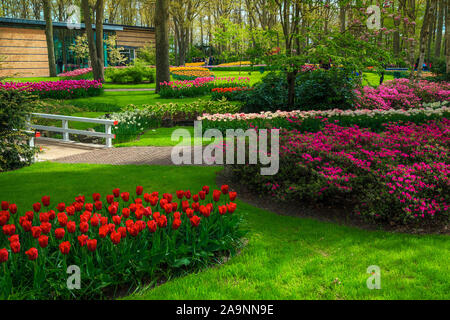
(82, 153)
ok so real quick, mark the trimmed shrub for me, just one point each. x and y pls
(15, 107)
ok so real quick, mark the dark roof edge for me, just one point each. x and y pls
(106, 26)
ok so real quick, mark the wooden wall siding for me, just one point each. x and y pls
(135, 38)
(25, 52)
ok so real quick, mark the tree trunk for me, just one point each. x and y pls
(99, 14)
(447, 36)
(425, 33)
(342, 17)
(162, 42)
(49, 37)
(440, 27)
(90, 35)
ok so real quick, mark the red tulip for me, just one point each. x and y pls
(187, 194)
(61, 207)
(125, 196)
(84, 227)
(71, 226)
(37, 207)
(95, 221)
(64, 247)
(78, 206)
(45, 201)
(70, 210)
(222, 210)
(14, 238)
(122, 231)
(195, 197)
(62, 219)
(162, 221)
(4, 217)
(29, 215)
(116, 192)
(103, 220)
(103, 231)
(9, 229)
(232, 195)
(26, 225)
(43, 241)
(205, 211)
(205, 189)
(3, 255)
(126, 213)
(82, 239)
(109, 198)
(92, 245)
(98, 205)
(216, 195)
(115, 237)
(32, 254)
(189, 212)
(96, 197)
(12, 208)
(59, 233)
(224, 189)
(195, 221)
(231, 207)
(202, 195)
(15, 246)
(177, 215)
(176, 224)
(152, 225)
(5, 205)
(116, 220)
(139, 190)
(113, 209)
(180, 194)
(45, 228)
(89, 207)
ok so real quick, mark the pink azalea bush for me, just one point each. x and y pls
(64, 89)
(402, 94)
(396, 176)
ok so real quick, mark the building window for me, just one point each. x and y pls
(129, 54)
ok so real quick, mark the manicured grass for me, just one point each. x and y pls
(161, 137)
(32, 79)
(286, 257)
(113, 101)
(373, 79)
(129, 86)
(255, 76)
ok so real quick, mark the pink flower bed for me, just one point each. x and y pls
(396, 176)
(402, 94)
(64, 89)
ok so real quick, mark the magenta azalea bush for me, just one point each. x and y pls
(64, 89)
(400, 175)
(402, 94)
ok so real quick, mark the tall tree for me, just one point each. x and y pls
(96, 52)
(425, 33)
(440, 27)
(162, 42)
(49, 36)
(447, 35)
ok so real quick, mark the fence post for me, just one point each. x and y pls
(65, 125)
(108, 140)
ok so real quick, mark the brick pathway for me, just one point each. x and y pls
(78, 153)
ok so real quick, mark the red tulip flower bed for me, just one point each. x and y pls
(117, 240)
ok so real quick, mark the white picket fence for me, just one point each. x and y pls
(66, 131)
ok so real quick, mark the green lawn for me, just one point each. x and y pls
(161, 137)
(113, 101)
(286, 257)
